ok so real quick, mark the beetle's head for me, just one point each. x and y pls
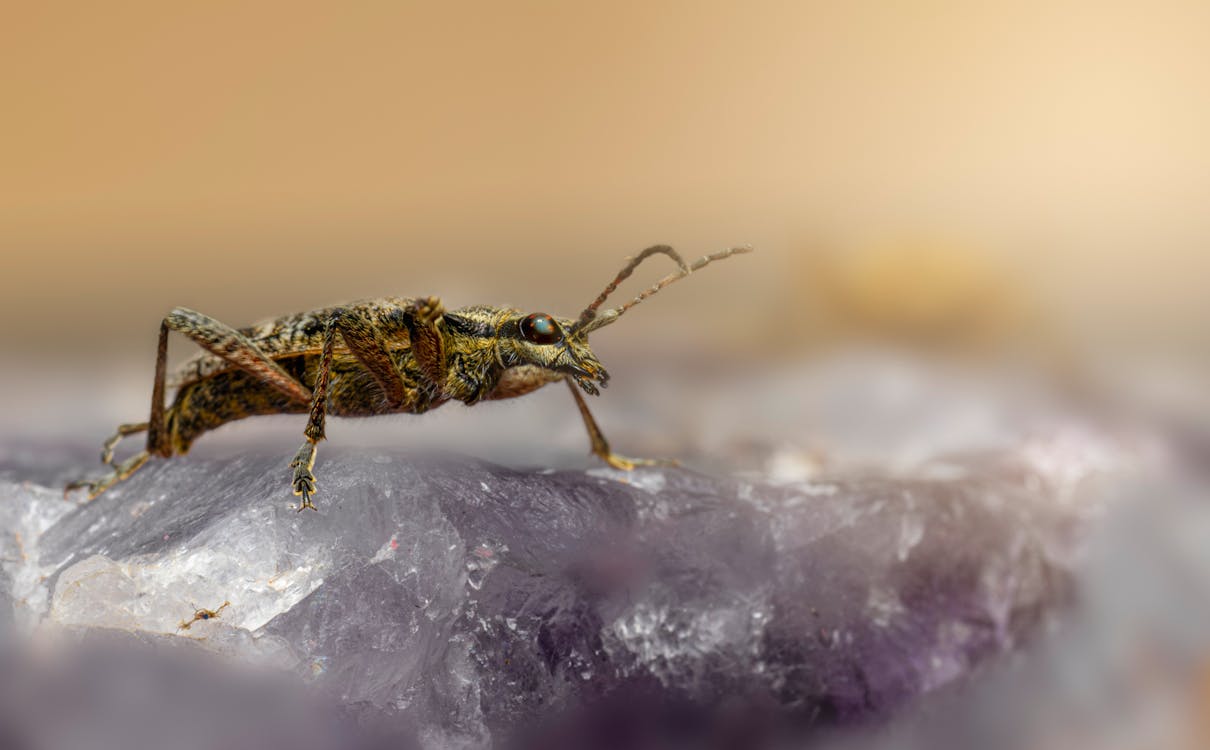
(561, 344)
(550, 342)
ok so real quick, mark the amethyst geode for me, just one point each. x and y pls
(458, 604)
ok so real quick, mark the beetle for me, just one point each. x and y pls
(202, 614)
(380, 356)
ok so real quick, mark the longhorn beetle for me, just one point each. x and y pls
(373, 357)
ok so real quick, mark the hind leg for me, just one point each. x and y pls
(122, 431)
(120, 471)
(157, 437)
(217, 338)
(224, 341)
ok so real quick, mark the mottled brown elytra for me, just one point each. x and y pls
(379, 356)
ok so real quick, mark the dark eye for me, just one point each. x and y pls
(540, 328)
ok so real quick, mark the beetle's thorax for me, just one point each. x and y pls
(472, 360)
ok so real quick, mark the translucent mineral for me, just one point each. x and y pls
(441, 601)
(464, 603)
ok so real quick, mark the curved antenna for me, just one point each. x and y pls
(590, 321)
(590, 312)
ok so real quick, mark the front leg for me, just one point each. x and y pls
(215, 337)
(522, 379)
(600, 446)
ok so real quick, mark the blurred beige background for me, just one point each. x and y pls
(1014, 177)
(900, 165)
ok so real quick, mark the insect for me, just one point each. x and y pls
(379, 356)
(202, 614)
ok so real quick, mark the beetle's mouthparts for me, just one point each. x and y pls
(589, 377)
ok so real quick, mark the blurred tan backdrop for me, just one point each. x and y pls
(249, 159)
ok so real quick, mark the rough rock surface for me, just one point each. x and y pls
(455, 603)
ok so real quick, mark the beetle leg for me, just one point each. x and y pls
(522, 379)
(364, 337)
(120, 471)
(224, 341)
(600, 446)
(428, 348)
(216, 338)
(367, 344)
(122, 431)
(303, 480)
(158, 441)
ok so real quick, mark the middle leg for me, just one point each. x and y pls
(304, 461)
(369, 345)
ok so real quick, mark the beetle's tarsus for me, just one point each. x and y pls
(120, 472)
(600, 446)
(80, 484)
(626, 463)
(306, 503)
(304, 480)
(123, 430)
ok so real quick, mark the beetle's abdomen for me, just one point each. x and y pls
(226, 397)
(232, 395)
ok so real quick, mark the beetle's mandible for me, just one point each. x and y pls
(379, 356)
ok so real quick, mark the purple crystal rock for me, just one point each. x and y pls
(456, 603)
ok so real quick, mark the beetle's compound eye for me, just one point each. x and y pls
(540, 328)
